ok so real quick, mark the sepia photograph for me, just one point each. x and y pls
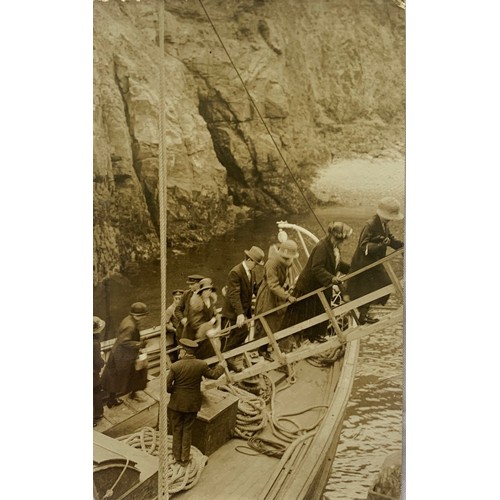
(281, 216)
(248, 249)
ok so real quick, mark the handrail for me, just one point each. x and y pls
(392, 255)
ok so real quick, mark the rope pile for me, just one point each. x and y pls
(251, 416)
(179, 478)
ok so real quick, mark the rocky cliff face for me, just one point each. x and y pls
(327, 76)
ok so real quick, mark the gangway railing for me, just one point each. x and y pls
(330, 314)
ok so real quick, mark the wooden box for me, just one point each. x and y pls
(215, 421)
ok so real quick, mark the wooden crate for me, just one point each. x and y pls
(216, 421)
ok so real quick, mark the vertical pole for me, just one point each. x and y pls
(162, 190)
(394, 279)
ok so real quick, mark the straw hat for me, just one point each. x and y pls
(389, 209)
(138, 309)
(256, 254)
(99, 324)
(288, 249)
(205, 284)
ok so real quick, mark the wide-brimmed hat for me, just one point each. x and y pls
(256, 254)
(288, 249)
(178, 292)
(205, 284)
(390, 209)
(339, 230)
(194, 278)
(99, 324)
(139, 309)
(190, 344)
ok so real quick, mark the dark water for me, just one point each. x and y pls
(373, 426)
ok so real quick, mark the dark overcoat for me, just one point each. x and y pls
(370, 249)
(240, 290)
(183, 382)
(321, 267)
(119, 375)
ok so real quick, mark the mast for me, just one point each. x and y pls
(162, 194)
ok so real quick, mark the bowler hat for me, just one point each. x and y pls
(99, 324)
(138, 309)
(194, 278)
(389, 208)
(340, 230)
(256, 254)
(288, 249)
(205, 284)
(188, 343)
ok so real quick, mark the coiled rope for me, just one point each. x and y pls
(178, 477)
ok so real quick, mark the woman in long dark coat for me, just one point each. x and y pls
(274, 290)
(320, 270)
(372, 246)
(119, 375)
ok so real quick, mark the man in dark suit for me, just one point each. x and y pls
(183, 383)
(237, 306)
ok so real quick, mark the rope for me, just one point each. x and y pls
(261, 118)
(179, 478)
(110, 492)
(163, 479)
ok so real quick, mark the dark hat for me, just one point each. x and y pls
(389, 208)
(178, 292)
(256, 254)
(339, 230)
(194, 278)
(191, 344)
(99, 324)
(205, 284)
(138, 309)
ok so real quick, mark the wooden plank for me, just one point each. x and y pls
(331, 317)
(145, 418)
(394, 278)
(138, 406)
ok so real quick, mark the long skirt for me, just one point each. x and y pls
(304, 310)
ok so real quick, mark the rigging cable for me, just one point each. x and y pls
(163, 480)
(261, 118)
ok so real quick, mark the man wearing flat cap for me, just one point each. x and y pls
(172, 321)
(183, 383)
(181, 309)
(237, 305)
(119, 375)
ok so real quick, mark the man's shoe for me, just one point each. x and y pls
(367, 320)
(114, 402)
(267, 356)
(234, 368)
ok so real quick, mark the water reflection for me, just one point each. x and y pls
(373, 426)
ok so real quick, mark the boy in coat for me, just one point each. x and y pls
(183, 383)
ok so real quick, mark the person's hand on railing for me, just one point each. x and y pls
(240, 320)
(336, 281)
(386, 240)
(291, 299)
